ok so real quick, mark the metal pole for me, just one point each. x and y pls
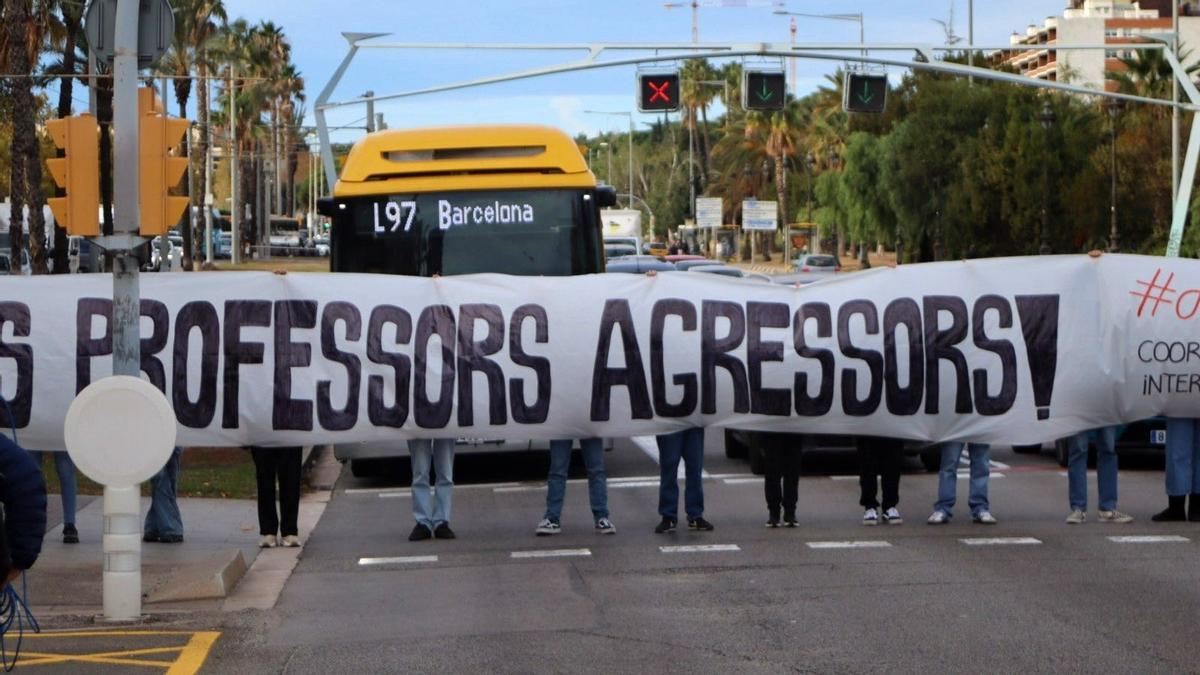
(691, 172)
(1175, 108)
(164, 244)
(1113, 242)
(235, 225)
(208, 194)
(277, 169)
(630, 160)
(971, 39)
(370, 96)
(122, 577)
(792, 60)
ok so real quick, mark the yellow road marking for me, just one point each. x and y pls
(194, 653)
(191, 655)
(45, 659)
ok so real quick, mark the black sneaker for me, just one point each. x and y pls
(70, 534)
(170, 538)
(149, 537)
(667, 525)
(789, 520)
(772, 521)
(443, 531)
(420, 533)
(699, 524)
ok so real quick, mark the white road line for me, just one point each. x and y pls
(740, 481)
(552, 553)
(627, 479)
(1149, 539)
(635, 484)
(399, 494)
(963, 474)
(392, 490)
(999, 541)
(866, 543)
(649, 446)
(731, 475)
(521, 488)
(998, 465)
(401, 560)
(700, 548)
(844, 477)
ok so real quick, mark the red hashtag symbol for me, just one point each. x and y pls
(659, 92)
(1154, 292)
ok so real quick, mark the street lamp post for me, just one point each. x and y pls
(856, 17)
(1114, 241)
(608, 173)
(837, 239)
(630, 116)
(1047, 119)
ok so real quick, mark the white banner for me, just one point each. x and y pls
(1017, 350)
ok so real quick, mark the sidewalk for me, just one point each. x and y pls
(220, 547)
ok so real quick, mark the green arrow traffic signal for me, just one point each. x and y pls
(764, 90)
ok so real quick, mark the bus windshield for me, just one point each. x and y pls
(523, 232)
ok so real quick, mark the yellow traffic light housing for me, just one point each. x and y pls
(149, 103)
(78, 173)
(159, 172)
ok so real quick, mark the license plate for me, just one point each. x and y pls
(1158, 436)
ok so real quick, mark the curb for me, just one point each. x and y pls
(200, 582)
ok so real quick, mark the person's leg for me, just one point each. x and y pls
(891, 456)
(66, 480)
(1077, 487)
(1194, 489)
(868, 472)
(288, 470)
(556, 481)
(981, 470)
(773, 480)
(693, 471)
(947, 477)
(264, 475)
(670, 450)
(1180, 440)
(421, 452)
(593, 461)
(443, 465)
(1106, 468)
(791, 482)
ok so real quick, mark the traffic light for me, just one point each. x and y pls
(764, 90)
(864, 92)
(159, 171)
(658, 92)
(78, 173)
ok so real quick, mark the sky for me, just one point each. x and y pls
(315, 26)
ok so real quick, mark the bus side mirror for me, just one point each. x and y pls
(606, 196)
(327, 207)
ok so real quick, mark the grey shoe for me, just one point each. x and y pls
(1115, 516)
(984, 518)
(1077, 517)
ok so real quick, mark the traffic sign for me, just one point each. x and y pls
(120, 431)
(763, 90)
(709, 211)
(865, 92)
(156, 30)
(758, 215)
(658, 92)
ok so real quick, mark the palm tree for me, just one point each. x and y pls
(26, 168)
(696, 97)
(782, 127)
(72, 28)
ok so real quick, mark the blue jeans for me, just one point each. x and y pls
(441, 453)
(687, 445)
(65, 469)
(163, 518)
(948, 477)
(1106, 469)
(592, 450)
(1183, 456)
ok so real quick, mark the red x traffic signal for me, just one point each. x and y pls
(658, 92)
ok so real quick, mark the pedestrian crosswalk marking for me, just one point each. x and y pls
(399, 560)
(866, 543)
(700, 548)
(552, 553)
(999, 541)
(1149, 539)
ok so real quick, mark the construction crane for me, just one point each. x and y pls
(697, 4)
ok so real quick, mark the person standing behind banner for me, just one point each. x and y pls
(1182, 471)
(1106, 476)
(781, 482)
(688, 445)
(943, 508)
(284, 465)
(432, 513)
(65, 468)
(164, 524)
(879, 457)
(592, 450)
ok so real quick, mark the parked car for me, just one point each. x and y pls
(685, 265)
(815, 262)
(801, 278)
(655, 248)
(677, 258)
(321, 244)
(752, 445)
(719, 269)
(612, 251)
(639, 264)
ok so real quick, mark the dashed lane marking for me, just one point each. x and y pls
(700, 548)
(398, 560)
(867, 543)
(742, 481)
(999, 541)
(1149, 539)
(553, 553)
(963, 475)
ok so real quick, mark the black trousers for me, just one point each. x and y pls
(282, 464)
(879, 457)
(782, 479)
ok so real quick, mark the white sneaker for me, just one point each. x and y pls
(1077, 517)
(1115, 516)
(892, 517)
(938, 518)
(984, 518)
(267, 541)
(547, 527)
(870, 517)
(291, 541)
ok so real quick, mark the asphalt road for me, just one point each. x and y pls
(917, 598)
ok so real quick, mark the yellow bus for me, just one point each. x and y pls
(462, 200)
